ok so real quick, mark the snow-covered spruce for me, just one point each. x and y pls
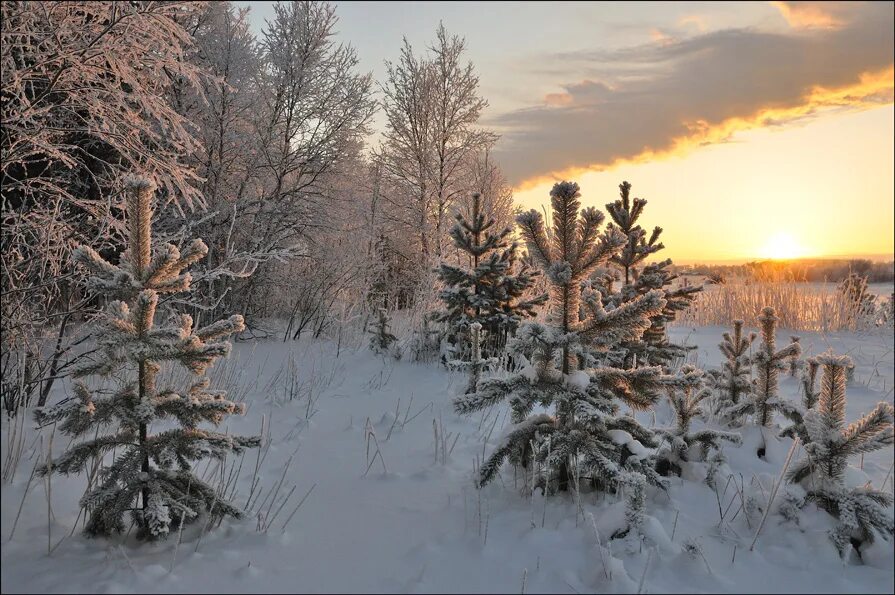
(624, 214)
(810, 396)
(653, 348)
(490, 291)
(764, 399)
(382, 341)
(863, 512)
(686, 391)
(151, 475)
(582, 438)
(635, 503)
(733, 379)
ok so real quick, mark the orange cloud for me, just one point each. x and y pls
(693, 19)
(660, 37)
(872, 90)
(812, 15)
(558, 99)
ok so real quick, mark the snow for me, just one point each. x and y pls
(634, 446)
(637, 449)
(579, 379)
(529, 372)
(620, 436)
(421, 526)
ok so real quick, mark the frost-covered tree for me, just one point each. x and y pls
(686, 392)
(381, 338)
(484, 176)
(764, 399)
(654, 347)
(151, 474)
(89, 81)
(625, 214)
(489, 291)
(455, 136)
(432, 105)
(810, 396)
(585, 436)
(315, 107)
(225, 113)
(406, 155)
(863, 512)
(734, 378)
(311, 114)
(86, 99)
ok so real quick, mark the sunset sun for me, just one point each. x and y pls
(782, 246)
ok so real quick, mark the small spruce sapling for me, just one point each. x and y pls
(686, 391)
(634, 487)
(764, 399)
(151, 475)
(862, 512)
(625, 213)
(810, 396)
(490, 291)
(734, 378)
(381, 338)
(653, 348)
(585, 430)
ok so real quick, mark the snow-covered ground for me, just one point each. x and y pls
(409, 518)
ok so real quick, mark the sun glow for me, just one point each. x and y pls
(782, 246)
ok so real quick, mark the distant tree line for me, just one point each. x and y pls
(804, 270)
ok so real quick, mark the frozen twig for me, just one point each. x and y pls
(767, 511)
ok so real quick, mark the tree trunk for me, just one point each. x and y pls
(562, 415)
(145, 468)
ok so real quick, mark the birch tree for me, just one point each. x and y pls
(432, 107)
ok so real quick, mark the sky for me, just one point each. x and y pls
(754, 130)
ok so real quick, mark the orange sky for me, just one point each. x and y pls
(826, 184)
(749, 141)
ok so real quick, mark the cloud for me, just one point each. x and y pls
(558, 99)
(811, 15)
(660, 36)
(642, 102)
(693, 20)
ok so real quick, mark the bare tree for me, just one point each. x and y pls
(432, 107)
(284, 113)
(456, 110)
(312, 115)
(406, 154)
(314, 104)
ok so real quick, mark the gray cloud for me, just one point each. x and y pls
(641, 99)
